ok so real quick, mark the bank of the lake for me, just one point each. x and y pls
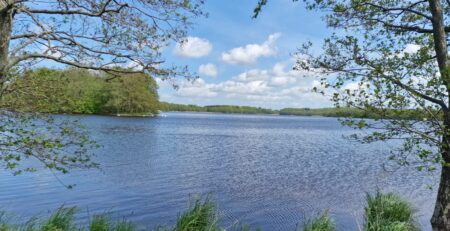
(382, 212)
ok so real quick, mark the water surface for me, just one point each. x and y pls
(271, 172)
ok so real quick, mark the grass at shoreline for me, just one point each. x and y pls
(388, 212)
(383, 212)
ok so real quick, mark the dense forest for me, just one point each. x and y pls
(77, 91)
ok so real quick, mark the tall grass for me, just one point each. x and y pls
(321, 223)
(100, 223)
(201, 216)
(61, 220)
(384, 212)
(103, 223)
(388, 212)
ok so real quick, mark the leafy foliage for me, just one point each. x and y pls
(78, 91)
(56, 144)
(94, 34)
(135, 93)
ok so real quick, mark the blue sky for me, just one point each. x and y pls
(245, 61)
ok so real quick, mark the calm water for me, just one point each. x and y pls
(271, 172)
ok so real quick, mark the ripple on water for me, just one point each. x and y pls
(272, 172)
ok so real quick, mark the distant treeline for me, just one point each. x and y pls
(328, 112)
(78, 91)
(371, 113)
(164, 106)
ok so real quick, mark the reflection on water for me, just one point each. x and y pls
(271, 172)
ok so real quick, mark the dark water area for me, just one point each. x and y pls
(271, 172)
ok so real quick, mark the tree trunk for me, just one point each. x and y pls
(5, 37)
(441, 216)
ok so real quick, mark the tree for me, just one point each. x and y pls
(99, 35)
(79, 91)
(132, 94)
(93, 34)
(398, 53)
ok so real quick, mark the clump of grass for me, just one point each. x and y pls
(124, 225)
(246, 227)
(103, 223)
(61, 220)
(321, 223)
(201, 216)
(99, 223)
(388, 212)
(3, 222)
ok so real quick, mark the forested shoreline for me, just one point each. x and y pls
(78, 91)
(326, 112)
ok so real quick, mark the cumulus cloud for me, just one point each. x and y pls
(233, 87)
(198, 88)
(279, 86)
(275, 77)
(208, 70)
(250, 53)
(193, 47)
(411, 48)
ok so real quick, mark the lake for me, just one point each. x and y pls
(271, 172)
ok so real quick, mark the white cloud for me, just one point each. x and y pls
(275, 77)
(352, 86)
(193, 47)
(208, 70)
(252, 75)
(198, 88)
(252, 87)
(411, 48)
(277, 87)
(250, 53)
